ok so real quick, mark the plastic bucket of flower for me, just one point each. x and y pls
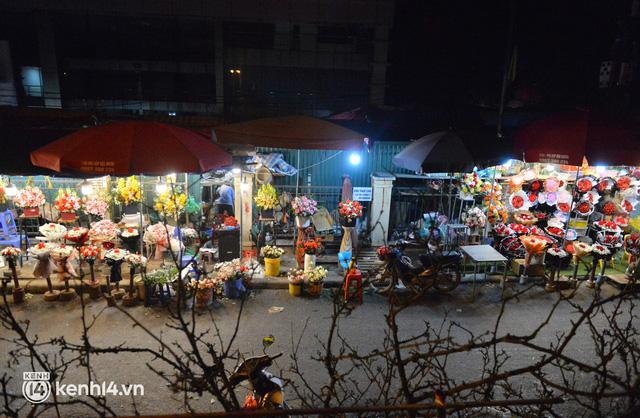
(296, 280)
(271, 256)
(315, 281)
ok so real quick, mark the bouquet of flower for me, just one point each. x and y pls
(77, 234)
(189, 234)
(580, 249)
(524, 217)
(230, 222)
(128, 190)
(11, 253)
(557, 252)
(632, 244)
(203, 283)
(317, 275)
(304, 206)
(170, 202)
(296, 276)
(129, 233)
(41, 249)
(230, 270)
(350, 209)
(311, 247)
(271, 251)
(116, 254)
(103, 230)
(136, 260)
(29, 197)
(96, 206)
(90, 252)
(534, 244)
(53, 232)
(67, 201)
(471, 183)
(61, 251)
(475, 218)
(266, 198)
(600, 251)
(158, 234)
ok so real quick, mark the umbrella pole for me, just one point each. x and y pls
(140, 206)
(295, 230)
(493, 184)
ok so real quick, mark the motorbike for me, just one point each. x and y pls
(266, 389)
(440, 270)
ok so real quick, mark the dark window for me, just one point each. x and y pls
(249, 35)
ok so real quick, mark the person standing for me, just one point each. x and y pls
(225, 200)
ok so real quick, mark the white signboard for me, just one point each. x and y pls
(362, 194)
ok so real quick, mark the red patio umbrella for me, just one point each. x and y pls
(132, 147)
(565, 138)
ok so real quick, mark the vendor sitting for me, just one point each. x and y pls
(225, 200)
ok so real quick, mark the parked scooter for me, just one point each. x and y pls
(266, 389)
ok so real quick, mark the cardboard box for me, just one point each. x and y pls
(517, 268)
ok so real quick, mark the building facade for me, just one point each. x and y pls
(237, 59)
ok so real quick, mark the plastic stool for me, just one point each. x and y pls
(353, 277)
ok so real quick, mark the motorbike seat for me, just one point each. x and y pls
(445, 258)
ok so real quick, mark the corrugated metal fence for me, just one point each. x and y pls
(326, 167)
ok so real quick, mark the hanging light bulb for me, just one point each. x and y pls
(161, 186)
(86, 188)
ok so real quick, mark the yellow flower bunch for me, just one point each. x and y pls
(3, 197)
(128, 190)
(267, 197)
(170, 202)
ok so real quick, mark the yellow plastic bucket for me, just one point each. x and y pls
(295, 289)
(272, 266)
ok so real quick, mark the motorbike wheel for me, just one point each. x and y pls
(447, 278)
(382, 280)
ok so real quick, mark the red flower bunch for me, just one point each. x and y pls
(383, 252)
(609, 208)
(311, 247)
(230, 221)
(350, 209)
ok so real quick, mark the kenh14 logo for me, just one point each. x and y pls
(36, 387)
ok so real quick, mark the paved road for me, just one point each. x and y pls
(364, 329)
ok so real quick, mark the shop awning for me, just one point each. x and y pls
(132, 147)
(296, 132)
(565, 138)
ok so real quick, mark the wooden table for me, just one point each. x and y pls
(484, 254)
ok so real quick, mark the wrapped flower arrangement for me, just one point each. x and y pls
(475, 218)
(29, 197)
(136, 260)
(77, 235)
(581, 249)
(116, 254)
(271, 251)
(311, 247)
(534, 244)
(471, 184)
(103, 230)
(230, 270)
(53, 231)
(61, 251)
(304, 206)
(90, 252)
(350, 209)
(158, 233)
(11, 253)
(41, 249)
(67, 201)
(266, 198)
(230, 222)
(129, 232)
(203, 283)
(96, 206)
(557, 252)
(128, 191)
(525, 217)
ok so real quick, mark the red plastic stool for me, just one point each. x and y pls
(354, 277)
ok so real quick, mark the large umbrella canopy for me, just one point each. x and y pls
(132, 147)
(565, 138)
(297, 132)
(451, 152)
